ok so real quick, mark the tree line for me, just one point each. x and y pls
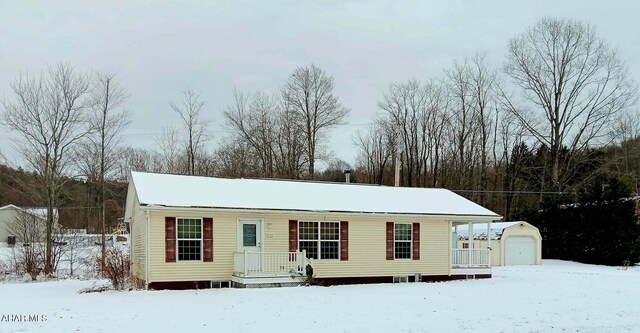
(557, 113)
(539, 125)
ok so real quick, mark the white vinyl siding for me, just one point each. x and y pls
(367, 250)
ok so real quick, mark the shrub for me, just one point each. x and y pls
(4, 269)
(29, 259)
(116, 268)
(136, 283)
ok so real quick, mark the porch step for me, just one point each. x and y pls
(470, 270)
(266, 282)
(267, 285)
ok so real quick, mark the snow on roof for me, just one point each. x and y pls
(192, 191)
(10, 206)
(480, 230)
(42, 212)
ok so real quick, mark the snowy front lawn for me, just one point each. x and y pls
(557, 296)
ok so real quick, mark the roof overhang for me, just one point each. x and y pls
(448, 217)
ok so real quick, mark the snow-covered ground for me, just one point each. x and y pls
(555, 297)
(83, 259)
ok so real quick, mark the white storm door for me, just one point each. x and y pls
(250, 242)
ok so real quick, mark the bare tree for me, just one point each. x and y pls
(309, 93)
(464, 123)
(626, 127)
(59, 246)
(234, 158)
(375, 150)
(190, 108)
(513, 158)
(73, 243)
(49, 114)
(265, 127)
(254, 120)
(100, 154)
(415, 112)
(137, 159)
(437, 123)
(626, 136)
(405, 105)
(572, 84)
(168, 144)
(483, 82)
(290, 158)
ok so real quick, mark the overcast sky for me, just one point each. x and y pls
(159, 48)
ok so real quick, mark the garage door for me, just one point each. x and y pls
(520, 251)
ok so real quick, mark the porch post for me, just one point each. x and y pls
(489, 249)
(470, 244)
(246, 258)
(303, 262)
(455, 230)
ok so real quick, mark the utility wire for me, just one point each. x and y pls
(510, 192)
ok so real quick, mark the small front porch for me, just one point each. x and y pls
(268, 269)
(469, 260)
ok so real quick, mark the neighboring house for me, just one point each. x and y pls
(512, 243)
(10, 231)
(191, 231)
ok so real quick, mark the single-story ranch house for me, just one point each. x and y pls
(189, 231)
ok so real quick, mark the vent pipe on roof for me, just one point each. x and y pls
(347, 176)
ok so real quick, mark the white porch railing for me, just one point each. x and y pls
(470, 257)
(263, 264)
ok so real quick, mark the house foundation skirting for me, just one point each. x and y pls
(330, 281)
(335, 281)
(184, 285)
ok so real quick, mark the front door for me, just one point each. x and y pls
(250, 232)
(250, 242)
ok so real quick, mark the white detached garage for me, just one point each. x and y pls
(512, 243)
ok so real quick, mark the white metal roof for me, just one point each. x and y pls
(192, 191)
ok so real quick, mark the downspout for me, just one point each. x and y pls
(147, 250)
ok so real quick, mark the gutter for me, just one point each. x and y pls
(449, 217)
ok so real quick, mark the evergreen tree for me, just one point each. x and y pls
(600, 226)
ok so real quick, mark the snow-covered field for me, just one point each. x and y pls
(555, 297)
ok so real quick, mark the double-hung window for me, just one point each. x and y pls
(321, 240)
(402, 240)
(189, 238)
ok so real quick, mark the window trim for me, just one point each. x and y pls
(319, 240)
(410, 241)
(201, 239)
